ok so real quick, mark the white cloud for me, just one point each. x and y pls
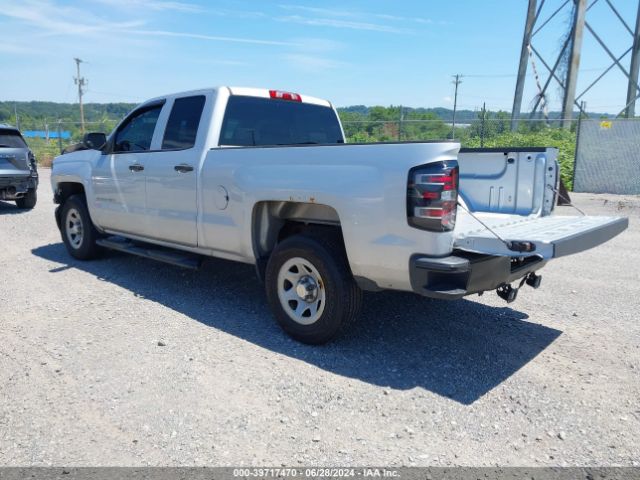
(330, 12)
(6, 47)
(354, 15)
(338, 23)
(215, 38)
(51, 19)
(158, 5)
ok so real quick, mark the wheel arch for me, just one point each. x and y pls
(273, 221)
(66, 189)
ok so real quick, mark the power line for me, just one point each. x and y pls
(512, 75)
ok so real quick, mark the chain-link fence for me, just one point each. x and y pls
(477, 131)
(608, 156)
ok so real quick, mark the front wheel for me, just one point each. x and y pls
(310, 288)
(78, 233)
(28, 200)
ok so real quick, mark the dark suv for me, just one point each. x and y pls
(18, 173)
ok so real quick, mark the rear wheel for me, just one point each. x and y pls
(29, 200)
(310, 288)
(78, 233)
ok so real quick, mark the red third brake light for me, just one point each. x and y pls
(280, 95)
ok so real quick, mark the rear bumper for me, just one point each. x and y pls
(464, 273)
(12, 187)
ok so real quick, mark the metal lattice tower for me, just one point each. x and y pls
(572, 47)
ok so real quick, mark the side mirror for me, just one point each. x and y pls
(94, 140)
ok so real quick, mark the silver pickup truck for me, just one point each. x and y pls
(18, 171)
(265, 177)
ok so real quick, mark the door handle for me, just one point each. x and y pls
(183, 168)
(136, 167)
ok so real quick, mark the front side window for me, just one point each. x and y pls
(136, 133)
(183, 123)
(11, 139)
(252, 121)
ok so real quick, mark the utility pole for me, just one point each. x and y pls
(484, 118)
(81, 82)
(15, 109)
(60, 135)
(632, 89)
(522, 69)
(456, 82)
(574, 63)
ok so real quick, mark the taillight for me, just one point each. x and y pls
(294, 97)
(432, 196)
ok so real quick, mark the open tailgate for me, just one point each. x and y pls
(553, 236)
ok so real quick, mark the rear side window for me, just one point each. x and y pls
(252, 121)
(11, 139)
(183, 123)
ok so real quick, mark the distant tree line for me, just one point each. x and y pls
(66, 116)
(473, 129)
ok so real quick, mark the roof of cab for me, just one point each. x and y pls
(244, 91)
(264, 93)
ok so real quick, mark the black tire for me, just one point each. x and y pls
(29, 200)
(342, 296)
(83, 247)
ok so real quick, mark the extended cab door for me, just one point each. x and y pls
(119, 174)
(171, 173)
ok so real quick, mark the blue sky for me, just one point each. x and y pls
(371, 52)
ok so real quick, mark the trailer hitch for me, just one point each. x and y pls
(509, 293)
(534, 280)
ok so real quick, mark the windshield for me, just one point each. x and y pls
(11, 139)
(252, 121)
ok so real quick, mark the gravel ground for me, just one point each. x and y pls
(124, 361)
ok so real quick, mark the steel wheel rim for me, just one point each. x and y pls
(73, 228)
(301, 291)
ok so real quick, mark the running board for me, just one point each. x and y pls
(167, 255)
